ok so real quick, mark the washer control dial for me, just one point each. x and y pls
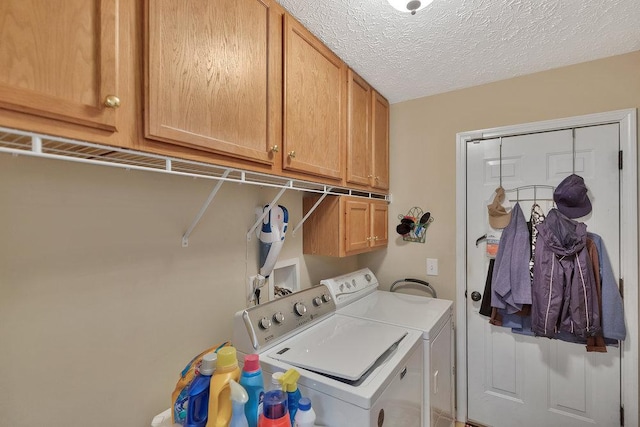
(367, 276)
(265, 323)
(326, 298)
(300, 309)
(278, 317)
(317, 301)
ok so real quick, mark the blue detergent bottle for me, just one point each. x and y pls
(252, 381)
(289, 383)
(198, 395)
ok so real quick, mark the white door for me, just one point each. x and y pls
(519, 380)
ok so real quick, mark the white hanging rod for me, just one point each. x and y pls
(18, 142)
(313, 208)
(185, 236)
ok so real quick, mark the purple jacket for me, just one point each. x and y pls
(563, 291)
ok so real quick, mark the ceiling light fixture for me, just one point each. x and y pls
(409, 5)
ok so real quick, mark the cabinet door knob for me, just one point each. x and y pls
(377, 178)
(369, 176)
(112, 101)
(275, 149)
(375, 238)
(292, 154)
(368, 239)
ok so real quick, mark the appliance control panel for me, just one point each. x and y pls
(266, 324)
(352, 286)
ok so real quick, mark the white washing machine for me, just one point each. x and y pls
(356, 294)
(357, 372)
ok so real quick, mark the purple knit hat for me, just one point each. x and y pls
(571, 197)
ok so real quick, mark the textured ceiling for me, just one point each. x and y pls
(453, 44)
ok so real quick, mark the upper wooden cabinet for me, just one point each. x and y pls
(60, 60)
(367, 135)
(359, 155)
(314, 104)
(214, 76)
(380, 138)
(343, 226)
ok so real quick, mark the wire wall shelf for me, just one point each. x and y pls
(18, 142)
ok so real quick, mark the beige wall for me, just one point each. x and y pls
(423, 148)
(100, 306)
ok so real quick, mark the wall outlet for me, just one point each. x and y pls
(250, 295)
(432, 267)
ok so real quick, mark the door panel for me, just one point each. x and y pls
(522, 380)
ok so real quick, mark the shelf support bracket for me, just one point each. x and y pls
(266, 211)
(185, 236)
(313, 208)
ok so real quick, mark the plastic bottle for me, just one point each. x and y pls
(289, 383)
(275, 381)
(239, 398)
(306, 416)
(198, 393)
(275, 410)
(252, 381)
(220, 392)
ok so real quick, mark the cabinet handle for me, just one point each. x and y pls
(369, 176)
(112, 101)
(368, 239)
(275, 149)
(377, 178)
(292, 154)
(375, 238)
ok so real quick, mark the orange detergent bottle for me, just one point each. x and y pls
(275, 412)
(220, 406)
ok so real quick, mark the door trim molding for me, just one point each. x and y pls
(628, 243)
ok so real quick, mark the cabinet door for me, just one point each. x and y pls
(59, 59)
(379, 224)
(380, 129)
(358, 130)
(212, 83)
(314, 104)
(357, 230)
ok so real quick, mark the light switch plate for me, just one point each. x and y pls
(432, 267)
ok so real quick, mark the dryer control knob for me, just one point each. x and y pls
(278, 317)
(317, 301)
(326, 298)
(265, 323)
(367, 277)
(300, 309)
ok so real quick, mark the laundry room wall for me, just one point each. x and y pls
(100, 305)
(423, 149)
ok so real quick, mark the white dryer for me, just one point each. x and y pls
(356, 294)
(357, 372)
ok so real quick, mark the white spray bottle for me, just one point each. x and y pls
(239, 397)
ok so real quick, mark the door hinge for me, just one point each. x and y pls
(621, 287)
(622, 416)
(620, 159)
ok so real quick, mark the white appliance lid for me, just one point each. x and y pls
(343, 347)
(411, 311)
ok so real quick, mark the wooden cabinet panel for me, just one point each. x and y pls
(358, 130)
(343, 226)
(379, 224)
(380, 129)
(357, 227)
(213, 76)
(60, 59)
(314, 104)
